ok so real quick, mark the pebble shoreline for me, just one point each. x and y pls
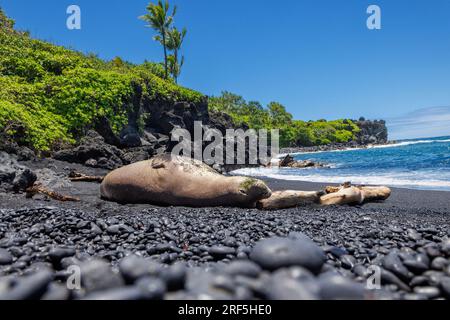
(223, 253)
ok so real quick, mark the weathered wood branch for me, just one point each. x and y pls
(39, 189)
(80, 177)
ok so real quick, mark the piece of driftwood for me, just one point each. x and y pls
(80, 177)
(334, 189)
(39, 189)
(348, 193)
(289, 199)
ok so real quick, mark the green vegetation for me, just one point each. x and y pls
(175, 40)
(54, 94)
(292, 132)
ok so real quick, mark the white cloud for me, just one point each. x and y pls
(422, 123)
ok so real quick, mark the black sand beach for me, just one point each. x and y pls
(407, 236)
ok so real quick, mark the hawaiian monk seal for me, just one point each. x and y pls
(180, 181)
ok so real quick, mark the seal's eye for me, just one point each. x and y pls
(242, 191)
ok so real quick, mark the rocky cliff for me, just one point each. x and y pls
(372, 132)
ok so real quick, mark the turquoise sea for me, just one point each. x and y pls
(419, 164)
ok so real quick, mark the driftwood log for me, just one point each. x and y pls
(348, 194)
(341, 195)
(80, 177)
(39, 189)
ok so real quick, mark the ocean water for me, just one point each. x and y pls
(417, 164)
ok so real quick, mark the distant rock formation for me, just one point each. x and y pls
(289, 162)
(372, 132)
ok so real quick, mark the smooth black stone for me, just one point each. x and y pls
(29, 287)
(445, 247)
(175, 276)
(393, 263)
(69, 261)
(243, 268)
(24, 180)
(5, 257)
(413, 235)
(118, 229)
(361, 271)
(284, 287)
(415, 266)
(336, 251)
(434, 277)
(96, 275)
(209, 285)
(57, 254)
(56, 291)
(433, 251)
(419, 281)
(388, 277)
(220, 251)
(336, 287)
(134, 267)
(275, 253)
(243, 294)
(95, 229)
(347, 261)
(242, 256)
(422, 258)
(439, 263)
(445, 287)
(300, 236)
(151, 288)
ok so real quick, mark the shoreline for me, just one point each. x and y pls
(333, 147)
(321, 183)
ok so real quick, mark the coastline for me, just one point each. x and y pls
(333, 147)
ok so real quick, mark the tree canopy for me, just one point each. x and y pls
(292, 132)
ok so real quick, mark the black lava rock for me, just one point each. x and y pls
(275, 253)
(24, 180)
(5, 257)
(96, 275)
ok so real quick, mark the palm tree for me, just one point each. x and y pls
(175, 40)
(158, 18)
(175, 66)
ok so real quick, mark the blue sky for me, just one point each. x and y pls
(317, 57)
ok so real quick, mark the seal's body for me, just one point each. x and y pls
(180, 181)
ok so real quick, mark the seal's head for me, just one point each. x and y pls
(252, 190)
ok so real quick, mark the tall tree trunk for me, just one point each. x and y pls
(165, 54)
(175, 53)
